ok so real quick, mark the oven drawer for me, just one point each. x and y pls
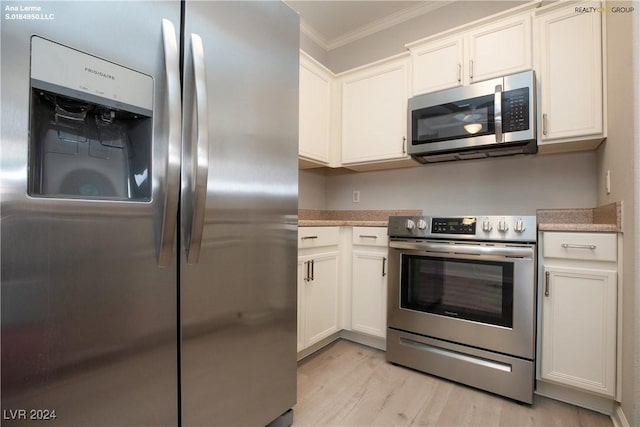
(315, 237)
(498, 373)
(370, 236)
(582, 246)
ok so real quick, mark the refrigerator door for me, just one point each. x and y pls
(238, 296)
(89, 329)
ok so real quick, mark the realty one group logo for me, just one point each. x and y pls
(610, 9)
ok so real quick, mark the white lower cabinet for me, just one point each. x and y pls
(369, 293)
(369, 281)
(318, 285)
(342, 286)
(579, 311)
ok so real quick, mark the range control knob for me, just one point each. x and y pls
(410, 225)
(519, 227)
(422, 224)
(502, 226)
(486, 226)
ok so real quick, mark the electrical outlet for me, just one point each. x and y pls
(356, 196)
(607, 180)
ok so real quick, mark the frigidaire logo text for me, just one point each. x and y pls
(99, 73)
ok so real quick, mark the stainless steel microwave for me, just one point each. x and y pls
(492, 118)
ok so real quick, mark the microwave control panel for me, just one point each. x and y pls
(515, 110)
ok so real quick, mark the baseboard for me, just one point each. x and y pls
(576, 397)
(618, 418)
(368, 340)
(364, 339)
(317, 346)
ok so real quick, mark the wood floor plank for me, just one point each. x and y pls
(348, 384)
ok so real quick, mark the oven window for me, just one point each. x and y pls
(467, 289)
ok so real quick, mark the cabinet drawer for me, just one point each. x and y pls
(587, 246)
(314, 237)
(370, 236)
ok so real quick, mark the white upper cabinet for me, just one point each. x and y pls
(496, 49)
(374, 112)
(437, 65)
(500, 48)
(315, 111)
(569, 65)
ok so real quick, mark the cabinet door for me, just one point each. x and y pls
(321, 297)
(369, 293)
(570, 73)
(302, 275)
(579, 328)
(499, 49)
(437, 65)
(315, 107)
(374, 114)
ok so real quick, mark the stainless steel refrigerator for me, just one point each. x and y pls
(149, 212)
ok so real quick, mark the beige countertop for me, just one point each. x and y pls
(607, 218)
(361, 218)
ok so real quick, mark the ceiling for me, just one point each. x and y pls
(332, 24)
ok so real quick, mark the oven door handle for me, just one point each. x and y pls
(465, 249)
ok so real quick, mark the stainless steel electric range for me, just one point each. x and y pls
(461, 301)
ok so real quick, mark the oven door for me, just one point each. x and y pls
(479, 295)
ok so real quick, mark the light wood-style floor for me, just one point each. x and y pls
(347, 384)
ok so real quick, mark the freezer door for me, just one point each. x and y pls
(238, 294)
(89, 319)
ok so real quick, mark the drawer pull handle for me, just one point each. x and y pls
(308, 237)
(571, 246)
(384, 264)
(368, 236)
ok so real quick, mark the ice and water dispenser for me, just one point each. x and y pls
(90, 126)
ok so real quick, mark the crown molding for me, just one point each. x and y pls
(373, 27)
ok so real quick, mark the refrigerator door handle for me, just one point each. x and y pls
(201, 159)
(172, 184)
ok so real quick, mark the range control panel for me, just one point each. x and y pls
(466, 225)
(482, 227)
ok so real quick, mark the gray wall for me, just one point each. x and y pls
(310, 47)
(621, 155)
(392, 40)
(312, 189)
(515, 185)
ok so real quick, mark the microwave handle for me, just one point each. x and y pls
(497, 112)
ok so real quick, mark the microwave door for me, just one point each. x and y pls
(456, 124)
